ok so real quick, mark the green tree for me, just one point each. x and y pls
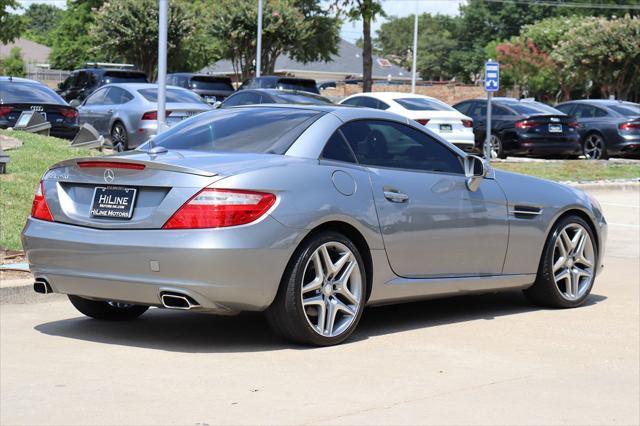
(127, 31)
(605, 52)
(39, 20)
(300, 29)
(13, 65)
(71, 43)
(367, 11)
(11, 25)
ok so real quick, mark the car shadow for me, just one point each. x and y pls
(191, 332)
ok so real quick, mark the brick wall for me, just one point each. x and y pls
(448, 93)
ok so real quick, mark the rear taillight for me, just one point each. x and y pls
(573, 124)
(525, 124)
(69, 113)
(5, 110)
(217, 208)
(39, 209)
(467, 123)
(153, 115)
(423, 121)
(632, 127)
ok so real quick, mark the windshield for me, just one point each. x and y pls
(627, 109)
(530, 108)
(173, 95)
(421, 104)
(27, 93)
(208, 83)
(295, 98)
(124, 77)
(256, 130)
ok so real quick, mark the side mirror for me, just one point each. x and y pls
(61, 86)
(475, 169)
(75, 103)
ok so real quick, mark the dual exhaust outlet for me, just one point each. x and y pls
(170, 300)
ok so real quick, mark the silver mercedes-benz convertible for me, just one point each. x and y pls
(309, 213)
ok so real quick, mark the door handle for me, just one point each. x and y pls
(395, 196)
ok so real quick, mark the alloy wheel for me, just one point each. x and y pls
(593, 147)
(332, 289)
(573, 262)
(118, 138)
(496, 146)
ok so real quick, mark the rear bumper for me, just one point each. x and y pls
(625, 145)
(224, 270)
(569, 145)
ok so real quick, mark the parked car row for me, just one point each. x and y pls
(122, 106)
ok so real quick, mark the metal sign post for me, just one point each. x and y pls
(415, 51)
(162, 65)
(259, 41)
(491, 84)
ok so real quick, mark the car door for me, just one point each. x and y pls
(432, 225)
(89, 110)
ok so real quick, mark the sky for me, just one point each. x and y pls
(351, 31)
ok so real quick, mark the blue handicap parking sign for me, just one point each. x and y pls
(491, 76)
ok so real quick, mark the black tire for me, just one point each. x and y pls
(286, 315)
(119, 137)
(496, 145)
(544, 292)
(107, 311)
(594, 147)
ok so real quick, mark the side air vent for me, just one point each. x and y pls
(521, 211)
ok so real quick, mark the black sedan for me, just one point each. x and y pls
(273, 96)
(522, 127)
(606, 127)
(20, 94)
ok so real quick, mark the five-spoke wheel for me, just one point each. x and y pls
(323, 292)
(594, 147)
(568, 265)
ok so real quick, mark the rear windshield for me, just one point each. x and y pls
(626, 109)
(14, 93)
(173, 95)
(207, 83)
(303, 85)
(295, 98)
(527, 108)
(420, 104)
(241, 130)
(124, 77)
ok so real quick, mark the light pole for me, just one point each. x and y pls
(162, 64)
(415, 51)
(259, 41)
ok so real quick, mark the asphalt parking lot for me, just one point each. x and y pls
(490, 359)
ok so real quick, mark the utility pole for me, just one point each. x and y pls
(415, 51)
(162, 65)
(259, 41)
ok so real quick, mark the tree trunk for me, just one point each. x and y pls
(366, 49)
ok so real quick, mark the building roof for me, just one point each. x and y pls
(348, 62)
(31, 51)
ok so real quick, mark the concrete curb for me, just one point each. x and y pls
(627, 185)
(21, 292)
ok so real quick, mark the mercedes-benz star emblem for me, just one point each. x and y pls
(109, 175)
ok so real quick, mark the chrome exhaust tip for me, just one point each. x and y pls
(42, 286)
(178, 301)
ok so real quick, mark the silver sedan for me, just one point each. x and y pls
(127, 113)
(309, 213)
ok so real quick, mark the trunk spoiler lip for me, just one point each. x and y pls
(147, 164)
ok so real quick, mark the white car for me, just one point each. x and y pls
(432, 113)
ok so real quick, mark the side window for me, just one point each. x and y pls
(249, 98)
(463, 107)
(498, 110)
(96, 98)
(182, 82)
(83, 79)
(584, 111)
(352, 101)
(390, 144)
(117, 96)
(478, 110)
(564, 108)
(368, 102)
(337, 149)
(601, 112)
(382, 105)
